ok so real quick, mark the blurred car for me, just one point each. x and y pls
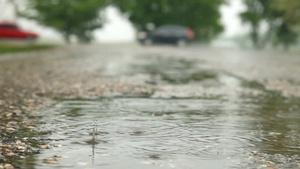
(12, 31)
(173, 34)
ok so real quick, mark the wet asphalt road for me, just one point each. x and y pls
(30, 80)
(85, 71)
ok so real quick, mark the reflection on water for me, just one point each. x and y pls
(173, 133)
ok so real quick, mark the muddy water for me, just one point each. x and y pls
(172, 133)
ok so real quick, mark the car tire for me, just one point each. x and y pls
(181, 43)
(148, 42)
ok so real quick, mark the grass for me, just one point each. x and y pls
(10, 48)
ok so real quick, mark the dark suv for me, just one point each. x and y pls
(173, 34)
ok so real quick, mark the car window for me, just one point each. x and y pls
(163, 30)
(178, 29)
(9, 26)
(172, 30)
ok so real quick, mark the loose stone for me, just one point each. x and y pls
(50, 160)
(2, 158)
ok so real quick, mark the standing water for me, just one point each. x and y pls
(200, 119)
(172, 133)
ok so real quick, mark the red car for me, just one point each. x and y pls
(12, 31)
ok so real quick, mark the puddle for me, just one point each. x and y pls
(195, 118)
(173, 71)
(162, 69)
(171, 133)
(180, 77)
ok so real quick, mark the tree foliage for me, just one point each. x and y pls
(291, 12)
(70, 17)
(279, 15)
(289, 30)
(201, 15)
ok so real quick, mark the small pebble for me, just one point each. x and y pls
(9, 154)
(158, 114)
(57, 145)
(45, 146)
(270, 162)
(50, 160)
(2, 158)
(10, 130)
(25, 138)
(31, 128)
(21, 157)
(8, 166)
(57, 156)
(21, 148)
(6, 146)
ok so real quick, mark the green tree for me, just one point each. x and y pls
(289, 30)
(201, 15)
(278, 14)
(70, 17)
(257, 11)
(291, 12)
(291, 9)
(286, 36)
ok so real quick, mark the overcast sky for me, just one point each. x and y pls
(119, 29)
(230, 18)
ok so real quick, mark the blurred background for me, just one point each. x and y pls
(230, 23)
(209, 104)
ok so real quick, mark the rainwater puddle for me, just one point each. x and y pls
(172, 133)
